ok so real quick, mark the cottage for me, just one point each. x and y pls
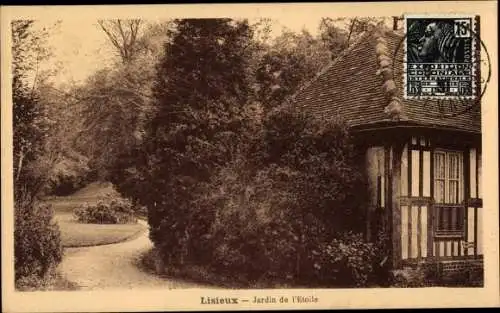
(423, 160)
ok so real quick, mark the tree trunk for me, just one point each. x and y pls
(20, 164)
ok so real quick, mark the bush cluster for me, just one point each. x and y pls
(288, 206)
(68, 175)
(348, 261)
(63, 185)
(37, 244)
(422, 275)
(106, 211)
(287, 213)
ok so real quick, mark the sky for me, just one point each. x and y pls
(80, 47)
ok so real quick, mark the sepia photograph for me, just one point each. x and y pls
(220, 154)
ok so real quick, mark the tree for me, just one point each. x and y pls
(115, 102)
(29, 117)
(69, 166)
(123, 35)
(340, 33)
(201, 92)
(37, 241)
(292, 60)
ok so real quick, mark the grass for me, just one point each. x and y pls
(75, 234)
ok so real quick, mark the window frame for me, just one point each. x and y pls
(460, 196)
(450, 204)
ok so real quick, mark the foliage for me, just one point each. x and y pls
(106, 211)
(37, 243)
(116, 102)
(422, 275)
(265, 214)
(29, 119)
(340, 33)
(291, 60)
(198, 117)
(69, 174)
(297, 195)
(347, 261)
(320, 164)
(467, 274)
(42, 121)
(189, 123)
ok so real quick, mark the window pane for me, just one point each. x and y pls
(453, 191)
(453, 166)
(439, 191)
(439, 166)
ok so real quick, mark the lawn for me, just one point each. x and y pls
(75, 234)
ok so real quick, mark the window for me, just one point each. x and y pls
(448, 193)
(448, 177)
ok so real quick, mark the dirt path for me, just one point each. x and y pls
(114, 267)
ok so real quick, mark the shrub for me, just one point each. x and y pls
(257, 234)
(106, 211)
(295, 188)
(63, 185)
(68, 175)
(422, 275)
(286, 213)
(344, 262)
(316, 162)
(433, 274)
(37, 244)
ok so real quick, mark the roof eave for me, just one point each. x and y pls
(387, 125)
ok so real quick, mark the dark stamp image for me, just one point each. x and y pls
(440, 57)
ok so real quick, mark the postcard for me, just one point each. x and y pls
(249, 156)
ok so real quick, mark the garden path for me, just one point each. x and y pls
(115, 266)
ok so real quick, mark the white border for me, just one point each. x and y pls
(189, 299)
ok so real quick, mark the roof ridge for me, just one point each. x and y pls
(331, 64)
(394, 108)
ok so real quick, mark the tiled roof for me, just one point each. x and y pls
(350, 88)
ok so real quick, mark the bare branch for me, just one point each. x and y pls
(123, 36)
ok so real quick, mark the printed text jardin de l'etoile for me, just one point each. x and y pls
(260, 300)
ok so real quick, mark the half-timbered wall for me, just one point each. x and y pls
(474, 212)
(375, 165)
(415, 199)
(440, 201)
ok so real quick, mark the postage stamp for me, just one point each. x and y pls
(440, 57)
